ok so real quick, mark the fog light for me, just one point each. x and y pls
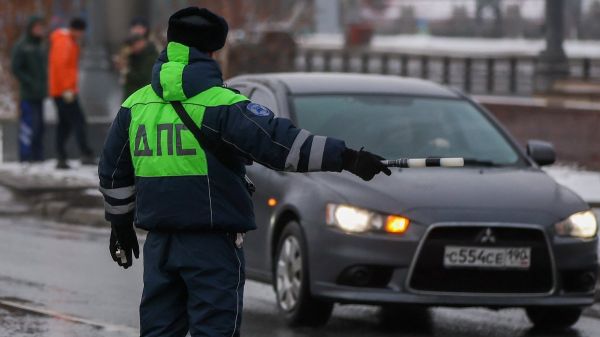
(359, 276)
(396, 224)
(588, 281)
(366, 276)
(579, 281)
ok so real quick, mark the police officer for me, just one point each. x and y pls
(188, 190)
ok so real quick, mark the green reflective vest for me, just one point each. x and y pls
(160, 145)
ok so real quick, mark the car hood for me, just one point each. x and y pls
(519, 195)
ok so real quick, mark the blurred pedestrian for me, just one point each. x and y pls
(136, 58)
(63, 79)
(140, 26)
(29, 67)
(141, 59)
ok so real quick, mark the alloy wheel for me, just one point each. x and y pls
(289, 274)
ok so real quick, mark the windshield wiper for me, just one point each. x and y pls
(481, 162)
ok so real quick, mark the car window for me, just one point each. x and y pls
(398, 126)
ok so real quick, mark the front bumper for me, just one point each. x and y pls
(343, 294)
(332, 252)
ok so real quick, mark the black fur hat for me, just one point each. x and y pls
(198, 28)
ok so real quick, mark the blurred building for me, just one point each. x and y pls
(470, 18)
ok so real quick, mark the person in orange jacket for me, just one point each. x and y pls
(63, 68)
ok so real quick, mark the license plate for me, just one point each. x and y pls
(486, 257)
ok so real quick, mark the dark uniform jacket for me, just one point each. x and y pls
(154, 172)
(29, 65)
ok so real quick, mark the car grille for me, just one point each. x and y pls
(429, 273)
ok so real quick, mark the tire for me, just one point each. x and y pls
(291, 281)
(405, 318)
(554, 318)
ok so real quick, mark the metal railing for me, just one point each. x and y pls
(490, 74)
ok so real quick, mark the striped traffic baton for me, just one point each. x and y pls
(424, 162)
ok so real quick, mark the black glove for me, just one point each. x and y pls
(364, 164)
(123, 237)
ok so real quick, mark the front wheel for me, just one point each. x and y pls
(291, 282)
(554, 318)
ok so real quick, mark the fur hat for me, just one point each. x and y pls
(198, 28)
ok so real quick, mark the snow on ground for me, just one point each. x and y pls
(88, 173)
(456, 45)
(46, 175)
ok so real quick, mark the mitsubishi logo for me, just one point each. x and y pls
(487, 236)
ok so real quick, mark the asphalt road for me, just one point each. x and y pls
(58, 280)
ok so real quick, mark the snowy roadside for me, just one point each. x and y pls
(448, 46)
(68, 196)
(42, 176)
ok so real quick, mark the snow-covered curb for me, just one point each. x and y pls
(44, 175)
(448, 46)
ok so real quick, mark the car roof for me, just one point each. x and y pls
(313, 83)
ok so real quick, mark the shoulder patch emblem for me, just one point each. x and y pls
(258, 110)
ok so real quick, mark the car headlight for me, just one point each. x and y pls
(358, 220)
(579, 225)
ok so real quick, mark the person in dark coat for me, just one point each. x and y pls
(136, 58)
(29, 66)
(141, 59)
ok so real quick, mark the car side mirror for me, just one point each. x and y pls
(541, 152)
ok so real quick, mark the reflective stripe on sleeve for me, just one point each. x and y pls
(120, 209)
(118, 193)
(291, 162)
(317, 149)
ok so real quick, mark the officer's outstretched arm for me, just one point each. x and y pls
(255, 132)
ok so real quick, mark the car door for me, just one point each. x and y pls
(256, 245)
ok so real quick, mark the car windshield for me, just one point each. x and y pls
(400, 126)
